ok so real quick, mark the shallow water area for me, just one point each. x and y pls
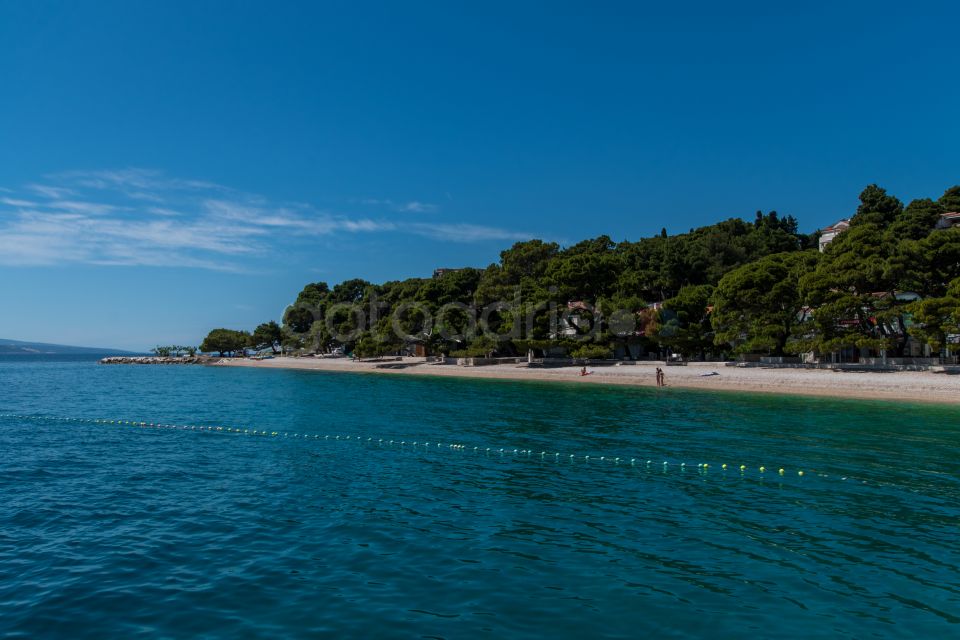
(187, 529)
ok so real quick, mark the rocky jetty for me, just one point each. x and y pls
(156, 360)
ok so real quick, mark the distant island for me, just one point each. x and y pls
(16, 347)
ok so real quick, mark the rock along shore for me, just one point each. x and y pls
(157, 360)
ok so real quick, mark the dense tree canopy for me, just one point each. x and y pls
(736, 286)
(685, 321)
(267, 335)
(758, 307)
(224, 341)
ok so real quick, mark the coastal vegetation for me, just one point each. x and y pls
(268, 335)
(735, 287)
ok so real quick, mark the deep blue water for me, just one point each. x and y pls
(120, 531)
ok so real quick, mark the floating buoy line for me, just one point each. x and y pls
(544, 455)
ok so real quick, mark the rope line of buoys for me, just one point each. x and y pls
(502, 452)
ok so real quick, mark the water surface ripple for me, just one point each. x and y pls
(109, 531)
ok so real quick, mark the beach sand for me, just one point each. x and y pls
(912, 386)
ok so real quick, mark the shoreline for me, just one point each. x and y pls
(908, 386)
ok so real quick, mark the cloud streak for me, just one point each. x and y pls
(466, 233)
(413, 206)
(140, 217)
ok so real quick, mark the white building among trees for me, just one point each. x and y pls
(831, 232)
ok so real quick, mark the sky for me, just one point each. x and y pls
(171, 167)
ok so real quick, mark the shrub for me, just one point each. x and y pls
(592, 352)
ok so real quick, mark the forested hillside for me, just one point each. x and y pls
(737, 286)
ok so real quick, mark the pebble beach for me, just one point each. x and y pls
(909, 386)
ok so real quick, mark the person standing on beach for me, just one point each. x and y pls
(659, 377)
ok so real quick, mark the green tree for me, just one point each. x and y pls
(684, 321)
(318, 339)
(527, 260)
(853, 293)
(223, 341)
(299, 317)
(479, 347)
(292, 341)
(758, 306)
(349, 291)
(950, 200)
(915, 222)
(268, 334)
(936, 318)
(876, 207)
(928, 266)
(856, 289)
(592, 352)
(587, 271)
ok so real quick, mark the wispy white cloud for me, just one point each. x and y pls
(466, 232)
(134, 181)
(49, 191)
(44, 238)
(418, 207)
(161, 211)
(140, 217)
(24, 249)
(305, 221)
(13, 202)
(89, 208)
(412, 206)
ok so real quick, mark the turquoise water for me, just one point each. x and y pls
(117, 531)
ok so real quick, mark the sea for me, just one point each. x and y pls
(204, 502)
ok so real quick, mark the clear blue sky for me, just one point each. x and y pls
(169, 167)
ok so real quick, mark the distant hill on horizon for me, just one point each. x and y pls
(17, 347)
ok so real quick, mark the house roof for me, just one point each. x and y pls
(951, 215)
(838, 226)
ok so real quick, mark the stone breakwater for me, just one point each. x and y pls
(156, 360)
